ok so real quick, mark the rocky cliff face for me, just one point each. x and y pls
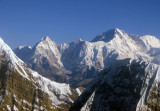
(127, 85)
(24, 89)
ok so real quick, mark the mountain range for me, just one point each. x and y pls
(126, 85)
(23, 89)
(79, 62)
(120, 72)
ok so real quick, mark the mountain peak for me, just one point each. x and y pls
(78, 41)
(9, 55)
(25, 46)
(151, 41)
(1, 40)
(45, 38)
(108, 35)
(45, 41)
(47, 48)
(4, 46)
(114, 29)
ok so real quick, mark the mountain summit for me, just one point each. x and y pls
(48, 49)
(24, 89)
(84, 59)
(108, 35)
(44, 58)
(46, 38)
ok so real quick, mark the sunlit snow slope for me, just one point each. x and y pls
(85, 59)
(24, 89)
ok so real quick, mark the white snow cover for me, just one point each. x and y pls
(10, 56)
(58, 92)
(100, 53)
(150, 76)
(15, 108)
(53, 88)
(155, 77)
(62, 47)
(112, 45)
(47, 48)
(88, 103)
(151, 41)
(79, 92)
(9, 108)
(21, 47)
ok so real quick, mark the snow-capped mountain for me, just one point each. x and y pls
(44, 58)
(126, 85)
(62, 47)
(108, 35)
(84, 59)
(151, 41)
(23, 51)
(48, 49)
(24, 89)
(113, 44)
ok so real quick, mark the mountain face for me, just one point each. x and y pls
(44, 58)
(47, 48)
(23, 51)
(99, 53)
(108, 36)
(82, 60)
(62, 47)
(24, 89)
(85, 58)
(151, 41)
(126, 85)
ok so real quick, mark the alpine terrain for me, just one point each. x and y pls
(120, 72)
(126, 85)
(79, 62)
(22, 89)
(45, 58)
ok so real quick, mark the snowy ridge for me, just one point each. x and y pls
(151, 41)
(21, 47)
(126, 85)
(153, 78)
(59, 93)
(88, 103)
(114, 44)
(45, 58)
(62, 47)
(107, 36)
(82, 56)
(48, 49)
(16, 63)
(100, 53)
(54, 89)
